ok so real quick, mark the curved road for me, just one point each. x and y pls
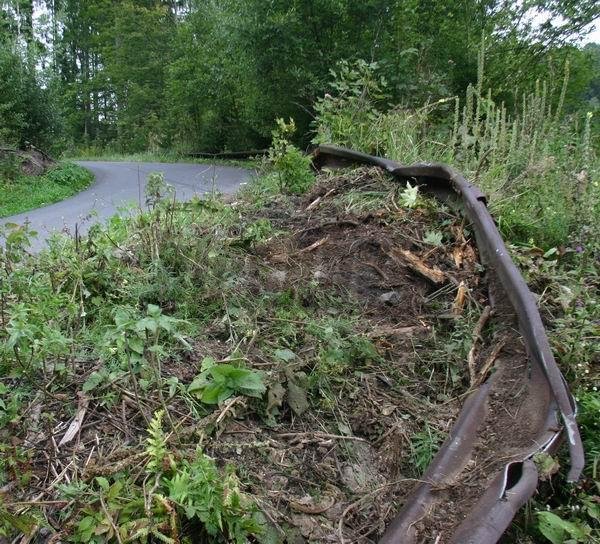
(121, 183)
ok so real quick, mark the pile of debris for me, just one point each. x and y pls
(29, 162)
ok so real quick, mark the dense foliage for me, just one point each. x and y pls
(211, 75)
(477, 84)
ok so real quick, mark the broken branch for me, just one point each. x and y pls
(405, 257)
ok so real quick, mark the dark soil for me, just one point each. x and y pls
(30, 162)
(351, 418)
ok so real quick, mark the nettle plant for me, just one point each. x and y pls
(290, 164)
(138, 344)
(217, 382)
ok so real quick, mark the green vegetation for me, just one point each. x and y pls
(119, 320)
(23, 193)
(168, 328)
(135, 76)
(539, 169)
(541, 173)
(94, 154)
(569, 285)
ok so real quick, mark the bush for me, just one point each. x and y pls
(537, 166)
(291, 165)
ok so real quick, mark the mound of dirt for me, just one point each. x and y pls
(368, 314)
(340, 474)
(30, 162)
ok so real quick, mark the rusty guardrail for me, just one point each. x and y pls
(517, 481)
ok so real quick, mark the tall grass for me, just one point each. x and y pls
(536, 164)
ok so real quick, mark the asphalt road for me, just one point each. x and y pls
(121, 183)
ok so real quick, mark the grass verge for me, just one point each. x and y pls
(29, 192)
(162, 156)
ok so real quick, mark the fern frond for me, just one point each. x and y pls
(156, 443)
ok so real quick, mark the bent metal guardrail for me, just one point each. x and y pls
(516, 483)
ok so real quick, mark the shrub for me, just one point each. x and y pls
(292, 167)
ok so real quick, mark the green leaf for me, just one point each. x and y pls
(154, 310)
(93, 381)
(86, 523)
(136, 344)
(207, 363)
(115, 490)
(557, 530)
(433, 237)
(102, 482)
(252, 385)
(147, 324)
(285, 355)
(550, 252)
(198, 383)
(220, 381)
(215, 393)
(122, 318)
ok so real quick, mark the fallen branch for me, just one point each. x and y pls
(77, 421)
(377, 269)
(489, 362)
(313, 246)
(405, 257)
(483, 318)
(318, 200)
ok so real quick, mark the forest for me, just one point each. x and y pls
(212, 76)
(218, 325)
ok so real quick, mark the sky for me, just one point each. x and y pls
(594, 36)
(540, 17)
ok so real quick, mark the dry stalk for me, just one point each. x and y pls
(489, 362)
(476, 336)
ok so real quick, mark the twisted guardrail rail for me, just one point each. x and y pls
(517, 481)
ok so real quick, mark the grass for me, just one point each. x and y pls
(159, 156)
(540, 169)
(29, 192)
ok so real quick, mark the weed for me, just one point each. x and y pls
(408, 197)
(292, 167)
(526, 159)
(22, 193)
(424, 445)
(218, 382)
(191, 489)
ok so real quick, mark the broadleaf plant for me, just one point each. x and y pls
(218, 382)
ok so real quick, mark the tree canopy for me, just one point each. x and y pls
(213, 75)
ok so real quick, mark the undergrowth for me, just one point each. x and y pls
(160, 329)
(23, 193)
(538, 166)
(129, 355)
(540, 169)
